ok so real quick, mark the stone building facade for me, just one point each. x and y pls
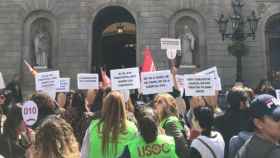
(75, 28)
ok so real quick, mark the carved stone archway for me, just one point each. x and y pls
(132, 11)
(262, 37)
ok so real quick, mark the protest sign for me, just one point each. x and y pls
(170, 44)
(213, 71)
(171, 53)
(46, 80)
(29, 112)
(199, 85)
(2, 83)
(277, 91)
(181, 83)
(88, 81)
(63, 85)
(125, 79)
(156, 82)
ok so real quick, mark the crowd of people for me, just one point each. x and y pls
(103, 124)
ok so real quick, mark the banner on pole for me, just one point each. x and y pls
(156, 82)
(87, 81)
(63, 85)
(125, 79)
(45, 81)
(199, 85)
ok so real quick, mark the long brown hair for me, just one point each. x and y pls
(170, 103)
(55, 138)
(113, 120)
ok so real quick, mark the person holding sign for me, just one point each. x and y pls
(166, 108)
(108, 136)
(150, 138)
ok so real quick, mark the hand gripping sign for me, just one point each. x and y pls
(29, 113)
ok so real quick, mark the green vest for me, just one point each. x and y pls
(162, 147)
(95, 141)
(173, 119)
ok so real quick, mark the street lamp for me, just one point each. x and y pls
(237, 23)
(237, 34)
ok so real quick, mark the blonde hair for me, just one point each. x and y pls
(170, 103)
(55, 138)
(113, 120)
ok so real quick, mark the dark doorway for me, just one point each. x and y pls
(273, 54)
(114, 39)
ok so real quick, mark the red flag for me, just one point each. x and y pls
(33, 71)
(105, 79)
(148, 64)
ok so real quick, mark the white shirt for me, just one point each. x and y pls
(216, 143)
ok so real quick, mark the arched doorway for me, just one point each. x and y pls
(114, 39)
(273, 46)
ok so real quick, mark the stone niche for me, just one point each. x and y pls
(197, 27)
(39, 48)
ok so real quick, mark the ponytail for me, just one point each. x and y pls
(148, 129)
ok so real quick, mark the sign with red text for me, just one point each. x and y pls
(29, 112)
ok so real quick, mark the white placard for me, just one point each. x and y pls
(171, 53)
(2, 83)
(156, 82)
(46, 80)
(125, 79)
(213, 71)
(63, 85)
(170, 44)
(88, 81)
(181, 83)
(29, 112)
(199, 85)
(277, 91)
(218, 84)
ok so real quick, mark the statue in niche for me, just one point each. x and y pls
(41, 47)
(187, 46)
(237, 6)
